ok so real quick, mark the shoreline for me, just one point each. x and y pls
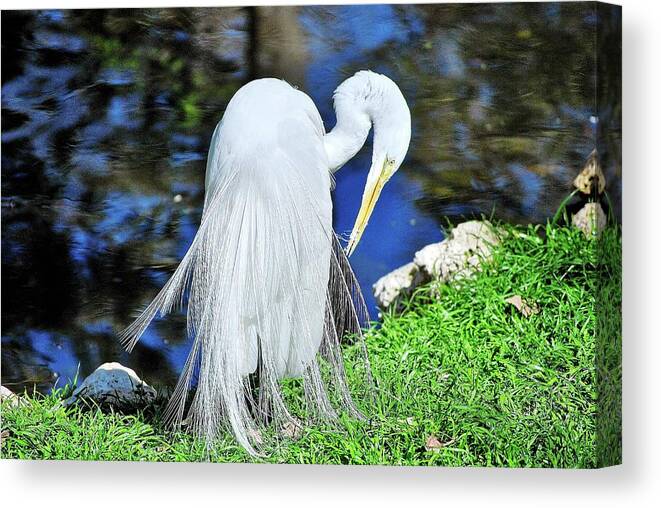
(465, 377)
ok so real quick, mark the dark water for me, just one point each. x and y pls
(107, 116)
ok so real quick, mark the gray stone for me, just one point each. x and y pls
(397, 283)
(590, 219)
(112, 384)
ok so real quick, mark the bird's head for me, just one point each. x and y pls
(389, 114)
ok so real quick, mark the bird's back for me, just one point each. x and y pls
(257, 110)
(265, 120)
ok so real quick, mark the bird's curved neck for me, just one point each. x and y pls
(361, 102)
(347, 137)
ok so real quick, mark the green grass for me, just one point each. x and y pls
(495, 388)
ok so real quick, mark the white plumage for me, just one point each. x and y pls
(268, 285)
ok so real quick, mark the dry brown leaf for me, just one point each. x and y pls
(523, 306)
(433, 444)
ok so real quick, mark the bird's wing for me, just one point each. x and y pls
(268, 284)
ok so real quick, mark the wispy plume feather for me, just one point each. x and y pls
(270, 295)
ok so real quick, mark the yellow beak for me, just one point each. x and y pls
(370, 196)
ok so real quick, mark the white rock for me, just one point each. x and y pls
(398, 282)
(7, 395)
(112, 384)
(590, 219)
(459, 255)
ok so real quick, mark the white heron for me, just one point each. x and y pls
(270, 292)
